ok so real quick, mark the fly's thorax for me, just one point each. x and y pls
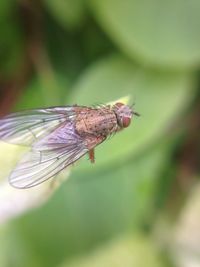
(99, 122)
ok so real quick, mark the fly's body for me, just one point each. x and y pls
(96, 122)
(58, 137)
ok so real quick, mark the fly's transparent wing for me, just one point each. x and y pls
(48, 157)
(27, 127)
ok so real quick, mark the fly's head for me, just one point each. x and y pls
(123, 114)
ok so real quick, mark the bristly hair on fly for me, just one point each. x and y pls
(59, 136)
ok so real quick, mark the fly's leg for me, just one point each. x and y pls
(91, 155)
(92, 141)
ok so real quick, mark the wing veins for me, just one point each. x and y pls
(54, 174)
(41, 162)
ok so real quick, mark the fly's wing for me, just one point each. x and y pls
(24, 128)
(48, 157)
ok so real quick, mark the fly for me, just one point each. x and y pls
(58, 137)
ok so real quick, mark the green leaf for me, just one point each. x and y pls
(160, 33)
(89, 209)
(126, 251)
(69, 13)
(18, 257)
(43, 91)
(127, 188)
(32, 97)
(159, 98)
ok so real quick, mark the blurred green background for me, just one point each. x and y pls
(139, 205)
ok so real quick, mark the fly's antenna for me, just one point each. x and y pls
(134, 112)
(137, 114)
(132, 105)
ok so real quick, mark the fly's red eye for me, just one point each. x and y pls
(126, 121)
